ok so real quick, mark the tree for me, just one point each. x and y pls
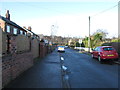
(85, 41)
(98, 37)
(72, 44)
(101, 34)
(77, 44)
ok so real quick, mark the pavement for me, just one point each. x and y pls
(46, 73)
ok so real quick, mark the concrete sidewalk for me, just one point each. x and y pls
(46, 73)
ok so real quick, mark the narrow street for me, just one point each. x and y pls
(81, 71)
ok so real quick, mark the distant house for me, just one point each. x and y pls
(10, 27)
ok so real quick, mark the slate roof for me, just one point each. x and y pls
(10, 22)
(14, 24)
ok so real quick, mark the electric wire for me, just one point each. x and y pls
(104, 11)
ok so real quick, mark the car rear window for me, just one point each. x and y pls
(108, 49)
(60, 46)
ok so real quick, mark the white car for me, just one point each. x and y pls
(66, 46)
(61, 49)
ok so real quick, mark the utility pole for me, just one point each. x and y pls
(89, 37)
(118, 19)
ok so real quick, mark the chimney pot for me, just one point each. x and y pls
(29, 28)
(8, 15)
(24, 27)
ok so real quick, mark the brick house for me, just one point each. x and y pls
(18, 49)
(14, 40)
(9, 26)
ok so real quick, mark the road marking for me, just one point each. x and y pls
(62, 58)
(65, 77)
(66, 81)
(64, 68)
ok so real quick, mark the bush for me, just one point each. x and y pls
(106, 44)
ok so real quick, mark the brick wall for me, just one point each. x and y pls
(42, 49)
(116, 45)
(2, 25)
(23, 43)
(14, 65)
(19, 55)
(4, 43)
(0, 59)
(35, 48)
(0, 42)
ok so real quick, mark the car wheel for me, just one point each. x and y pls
(100, 60)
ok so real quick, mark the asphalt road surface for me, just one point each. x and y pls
(86, 72)
(68, 70)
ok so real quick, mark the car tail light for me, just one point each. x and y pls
(116, 53)
(102, 54)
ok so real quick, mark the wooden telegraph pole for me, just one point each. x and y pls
(89, 37)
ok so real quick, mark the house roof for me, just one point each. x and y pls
(14, 24)
(11, 22)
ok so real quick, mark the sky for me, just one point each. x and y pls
(70, 18)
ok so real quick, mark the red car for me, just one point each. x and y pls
(105, 53)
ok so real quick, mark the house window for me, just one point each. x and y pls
(15, 31)
(8, 29)
(21, 32)
(25, 33)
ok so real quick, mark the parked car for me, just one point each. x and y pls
(61, 49)
(66, 46)
(103, 53)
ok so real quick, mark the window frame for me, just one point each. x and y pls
(8, 28)
(21, 32)
(15, 31)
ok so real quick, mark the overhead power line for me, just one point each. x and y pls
(104, 11)
(41, 7)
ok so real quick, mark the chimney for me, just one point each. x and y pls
(24, 27)
(8, 15)
(29, 28)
